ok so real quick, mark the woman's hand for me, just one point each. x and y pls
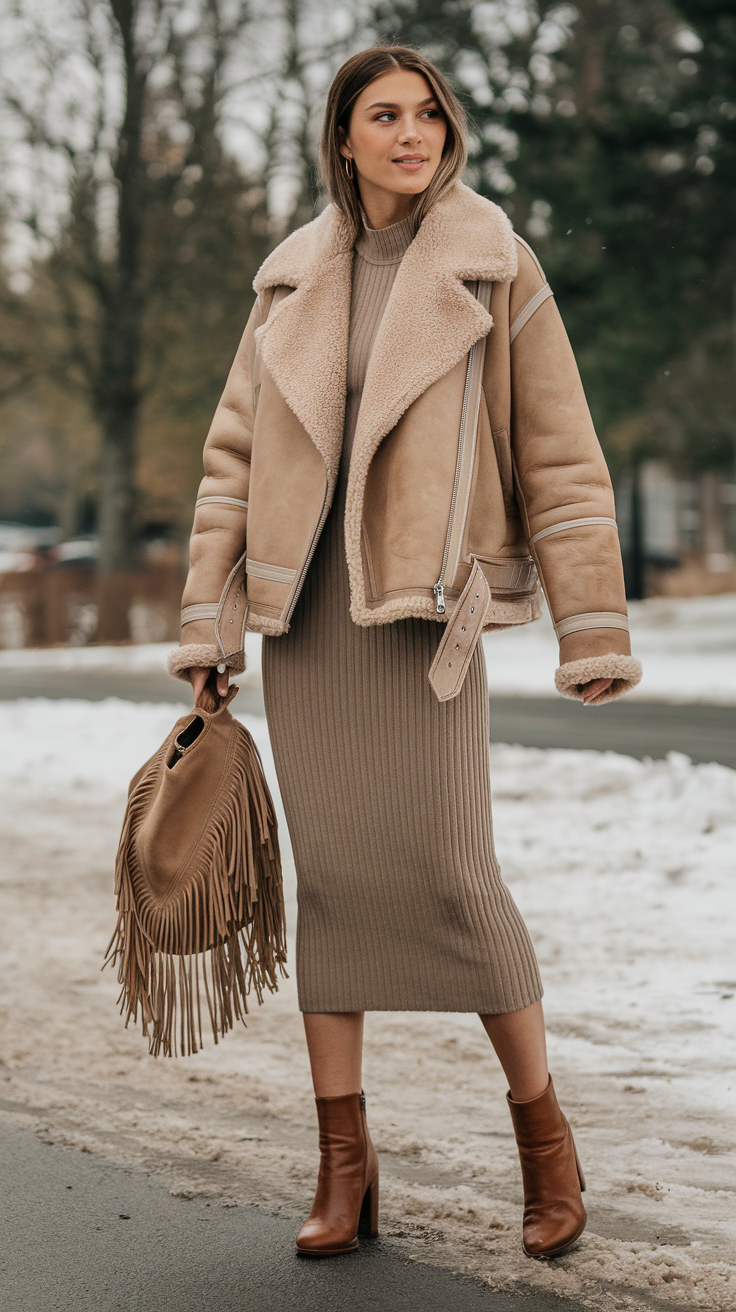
(593, 689)
(198, 679)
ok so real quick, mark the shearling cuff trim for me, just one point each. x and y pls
(202, 656)
(264, 624)
(625, 671)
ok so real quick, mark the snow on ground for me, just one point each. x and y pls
(687, 647)
(624, 872)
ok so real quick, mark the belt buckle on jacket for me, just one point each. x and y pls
(462, 632)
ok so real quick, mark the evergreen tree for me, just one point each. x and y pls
(593, 129)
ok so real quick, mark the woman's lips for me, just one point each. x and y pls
(411, 163)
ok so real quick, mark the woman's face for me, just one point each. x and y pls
(395, 136)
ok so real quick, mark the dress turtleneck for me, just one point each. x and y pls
(385, 245)
(378, 254)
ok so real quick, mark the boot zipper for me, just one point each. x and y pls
(439, 587)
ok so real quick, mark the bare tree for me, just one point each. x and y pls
(127, 109)
(122, 122)
(308, 43)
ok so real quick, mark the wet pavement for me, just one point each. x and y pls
(78, 1234)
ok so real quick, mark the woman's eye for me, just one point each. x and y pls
(388, 115)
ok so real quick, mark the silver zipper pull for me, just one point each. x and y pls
(439, 593)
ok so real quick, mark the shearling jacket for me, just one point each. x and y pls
(533, 506)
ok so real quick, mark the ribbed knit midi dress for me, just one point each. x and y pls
(386, 790)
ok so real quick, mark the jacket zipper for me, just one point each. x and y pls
(326, 503)
(439, 587)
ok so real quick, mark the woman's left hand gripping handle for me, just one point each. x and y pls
(209, 686)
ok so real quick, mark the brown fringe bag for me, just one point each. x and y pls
(198, 884)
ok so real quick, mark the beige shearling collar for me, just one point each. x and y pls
(429, 324)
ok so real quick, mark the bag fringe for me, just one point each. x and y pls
(226, 929)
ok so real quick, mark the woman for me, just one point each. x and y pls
(403, 465)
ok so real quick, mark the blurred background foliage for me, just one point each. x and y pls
(154, 151)
(608, 130)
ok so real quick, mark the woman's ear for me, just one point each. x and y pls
(345, 150)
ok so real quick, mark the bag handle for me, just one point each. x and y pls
(210, 700)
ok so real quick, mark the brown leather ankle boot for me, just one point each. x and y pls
(554, 1215)
(346, 1201)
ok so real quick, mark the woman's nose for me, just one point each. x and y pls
(409, 130)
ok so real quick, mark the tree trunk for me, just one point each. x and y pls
(118, 400)
(116, 506)
(117, 491)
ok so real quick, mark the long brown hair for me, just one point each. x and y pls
(355, 75)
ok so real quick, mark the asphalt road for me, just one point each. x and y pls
(637, 728)
(78, 1234)
(94, 685)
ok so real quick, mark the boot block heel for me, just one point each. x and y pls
(581, 1176)
(368, 1223)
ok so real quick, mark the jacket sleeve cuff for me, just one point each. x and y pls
(625, 671)
(202, 656)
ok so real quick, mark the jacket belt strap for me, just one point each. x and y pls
(232, 612)
(455, 652)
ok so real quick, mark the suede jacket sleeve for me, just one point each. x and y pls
(221, 512)
(565, 494)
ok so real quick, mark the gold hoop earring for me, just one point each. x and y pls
(348, 166)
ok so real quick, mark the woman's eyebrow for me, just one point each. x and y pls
(389, 104)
